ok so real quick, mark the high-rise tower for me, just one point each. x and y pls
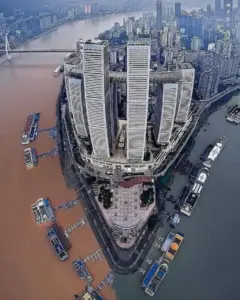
(97, 96)
(159, 11)
(228, 12)
(138, 70)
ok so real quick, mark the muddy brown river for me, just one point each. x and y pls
(29, 268)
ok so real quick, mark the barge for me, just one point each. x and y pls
(56, 243)
(30, 129)
(30, 158)
(167, 243)
(81, 270)
(193, 196)
(154, 278)
(233, 115)
(214, 153)
(174, 247)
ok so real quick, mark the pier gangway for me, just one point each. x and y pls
(67, 205)
(50, 153)
(45, 129)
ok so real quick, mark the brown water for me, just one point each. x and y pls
(29, 269)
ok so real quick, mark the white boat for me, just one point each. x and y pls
(24, 139)
(192, 198)
(212, 156)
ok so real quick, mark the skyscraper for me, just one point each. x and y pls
(138, 68)
(218, 8)
(165, 112)
(228, 12)
(97, 96)
(178, 9)
(185, 92)
(159, 10)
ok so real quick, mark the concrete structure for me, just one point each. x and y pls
(228, 12)
(165, 111)
(195, 43)
(97, 96)
(138, 67)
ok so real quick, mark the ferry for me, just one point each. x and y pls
(214, 153)
(57, 71)
(193, 196)
(56, 244)
(42, 211)
(154, 278)
(173, 249)
(33, 132)
(81, 270)
(28, 123)
(24, 139)
(30, 158)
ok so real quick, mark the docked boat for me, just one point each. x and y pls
(30, 158)
(28, 123)
(174, 247)
(33, 132)
(81, 270)
(154, 278)
(56, 243)
(195, 191)
(214, 153)
(24, 139)
(42, 211)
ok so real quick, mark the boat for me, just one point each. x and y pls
(30, 158)
(24, 139)
(57, 71)
(174, 247)
(43, 212)
(154, 278)
(166, 245)
(33, 132)
(56, 244)
(28, 123)
(214, 153)
(197, 187)
(81, 270)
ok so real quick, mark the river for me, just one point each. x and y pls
(202, 269)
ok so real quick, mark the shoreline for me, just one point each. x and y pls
(65, 23)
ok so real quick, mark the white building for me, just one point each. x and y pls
(195, 43)
(75, 96)
(185, 92)
(97, 95)
(138, 68)
(165, 112)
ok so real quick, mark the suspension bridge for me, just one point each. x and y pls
(8, 51)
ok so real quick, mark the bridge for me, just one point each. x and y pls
(2, 51)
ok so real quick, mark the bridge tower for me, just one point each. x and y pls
(7, 47)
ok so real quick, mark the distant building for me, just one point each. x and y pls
(228, 12)
(159, 11)
(178, 9)
(218, 8)
(195, 43)
(94, 8)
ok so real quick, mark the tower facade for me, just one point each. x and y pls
(138, 69)
(97, 96)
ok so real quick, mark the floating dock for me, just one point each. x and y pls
(30, 158)
(43, 212)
